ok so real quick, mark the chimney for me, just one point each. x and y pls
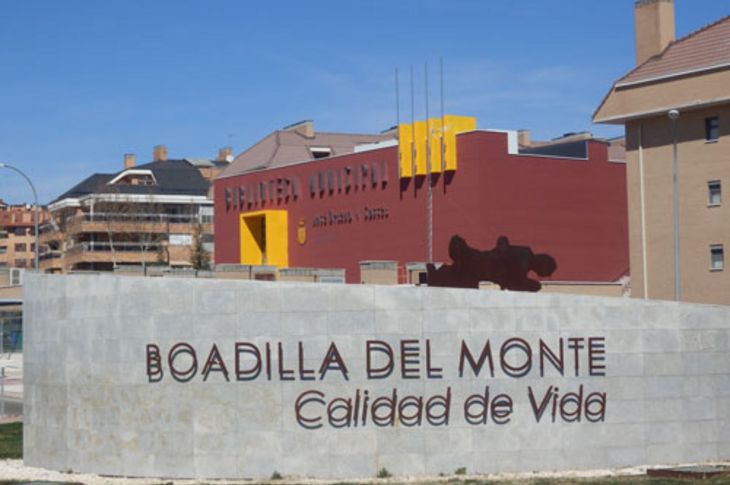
(225, 154)
(523, 138)
(130, 160)
(159, 153)
(654, 26)
(304, 128)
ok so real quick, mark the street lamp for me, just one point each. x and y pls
(674, 115)
(35, 197)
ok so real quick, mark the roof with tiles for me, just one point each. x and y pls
(291, 145)
(704, 49)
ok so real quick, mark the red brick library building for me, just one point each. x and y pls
(326, 200)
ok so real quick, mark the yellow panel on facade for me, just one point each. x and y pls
(421, 147)
(277, 238)
(252, 241)
(434, 128)
(405, 150)
(453, 125)
(265, 238)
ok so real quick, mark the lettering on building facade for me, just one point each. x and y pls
(332, 218)
(339, 180)
(335, 218)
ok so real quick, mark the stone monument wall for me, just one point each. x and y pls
(236, 379)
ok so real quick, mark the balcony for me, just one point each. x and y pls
(124, 223)
(119, 252)
(50, 255)
(51, 261)
(48, 233)
(153, 223)
(107, 247)
(141, 218)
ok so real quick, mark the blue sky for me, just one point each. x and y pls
(83, 82)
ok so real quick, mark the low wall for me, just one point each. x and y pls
(236, 379)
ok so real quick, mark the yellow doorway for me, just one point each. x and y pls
(264, 238)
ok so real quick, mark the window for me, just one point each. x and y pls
(20, 247)
(712, 128)
(181, 239)
(20, 263)
(714, 193)
(3, 249)
(16, 277)
(19, 231)
(320, 152)
(143, 181)
(206, 214)
(717, 257)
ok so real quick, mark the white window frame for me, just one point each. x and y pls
(713, 249)
(134, 171)
(710, 185)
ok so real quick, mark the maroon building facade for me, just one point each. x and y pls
(345, 209)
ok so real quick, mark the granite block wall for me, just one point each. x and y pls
(238, 379)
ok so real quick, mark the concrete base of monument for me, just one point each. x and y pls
(16, 471)
(231, 379)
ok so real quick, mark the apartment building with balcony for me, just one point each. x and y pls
(17, 234)
(158, 213)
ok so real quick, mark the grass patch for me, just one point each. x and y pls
(384, 473)
(11, 441)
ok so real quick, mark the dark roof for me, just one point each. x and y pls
(205, 163)
(706, 48)
(174, 177)
(89, 185)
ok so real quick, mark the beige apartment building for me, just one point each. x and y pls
(678, 96)
(17, 234)
(159, 213)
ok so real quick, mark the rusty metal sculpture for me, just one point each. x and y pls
(505, 265)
